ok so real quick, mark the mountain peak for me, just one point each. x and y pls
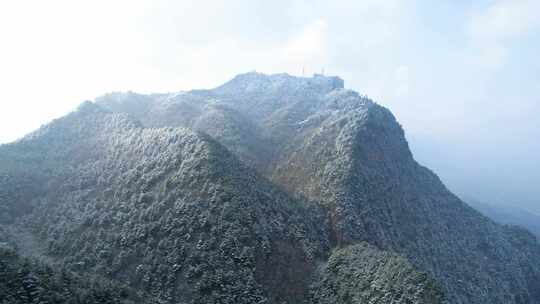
(255, 82)
(269, 188)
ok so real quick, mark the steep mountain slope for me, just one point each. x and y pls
(294, 185)
(44, 160)
(343, 152)
(168, 211)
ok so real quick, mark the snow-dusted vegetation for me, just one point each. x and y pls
(267, 189)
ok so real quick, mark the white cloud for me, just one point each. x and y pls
(506, 19)
(57, 53)
(310, 47)
(401, 82)
(493, 29)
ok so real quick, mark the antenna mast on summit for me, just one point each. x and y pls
(303, 71)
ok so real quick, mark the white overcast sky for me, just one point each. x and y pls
(461, 76)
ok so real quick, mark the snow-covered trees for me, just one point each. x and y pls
(23, 281)
(286, 172)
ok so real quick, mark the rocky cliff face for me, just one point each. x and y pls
(269, 188)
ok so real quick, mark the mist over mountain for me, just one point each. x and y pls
(507, 178)
(509, 215)
(266, 189)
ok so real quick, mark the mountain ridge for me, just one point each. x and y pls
(354, 120)
(150, 173)
(280, 176)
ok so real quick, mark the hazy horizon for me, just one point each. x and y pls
(460, 78)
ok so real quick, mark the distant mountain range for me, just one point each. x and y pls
(508, 215)
(267, 189)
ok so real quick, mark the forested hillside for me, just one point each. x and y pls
(24, 281)
(267, 189)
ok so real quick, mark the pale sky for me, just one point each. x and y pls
(461, 76)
